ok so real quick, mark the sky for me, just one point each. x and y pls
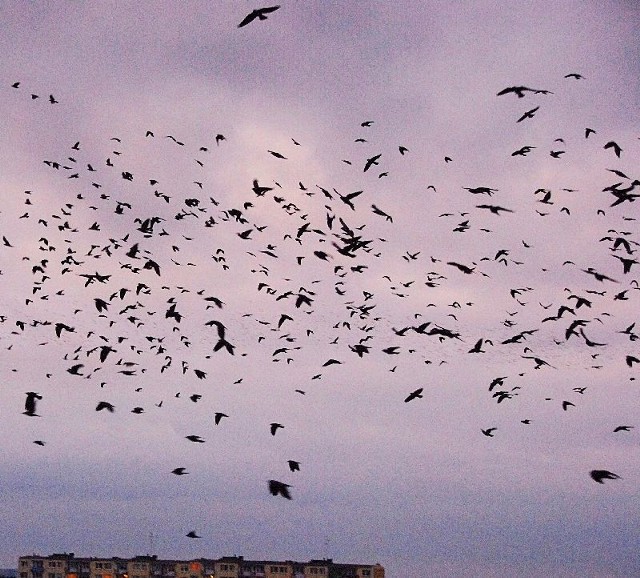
(339, 290)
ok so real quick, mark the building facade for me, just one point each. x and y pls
(67, 565)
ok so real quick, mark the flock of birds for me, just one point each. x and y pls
(110, 269)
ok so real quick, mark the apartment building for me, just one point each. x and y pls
(67, 565)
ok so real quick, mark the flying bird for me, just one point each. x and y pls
(105, 405)
(218, 416)
(274, 427)
(523, 151)
(517, 90)
(30, 403)
(414, 394)
(259, 13)
(600, 475)
(293, 465)
(495, 209)
(615, 146)
(528, 114)
(279, 489)
(371, 161)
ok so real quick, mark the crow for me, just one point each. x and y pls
(414, 394)
(259, 13)
(279, 488)
(599, 475)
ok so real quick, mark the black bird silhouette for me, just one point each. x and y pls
(600, 475)
(105, 405)
(615, 146)
(522, 151)
(279, 488)
(195, 439)
(528, 114)
(30, 403)
(218, 416)
(630, 360)
(371, 161)
(517, 90)
(258, 190)
(623, 428)
(414, 394)
(495, 209)
(75, 369)
(598, 276)
(489, 431)
(293, 465)
(274, 427)
(464, 268)
(538, 361)
(259, 13)
(380, 212)
(346, 199)
(193, 534)
(180, 471)
(477, 348)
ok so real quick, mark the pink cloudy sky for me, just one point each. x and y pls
(415, 486)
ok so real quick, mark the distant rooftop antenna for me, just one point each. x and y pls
(151, 543)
